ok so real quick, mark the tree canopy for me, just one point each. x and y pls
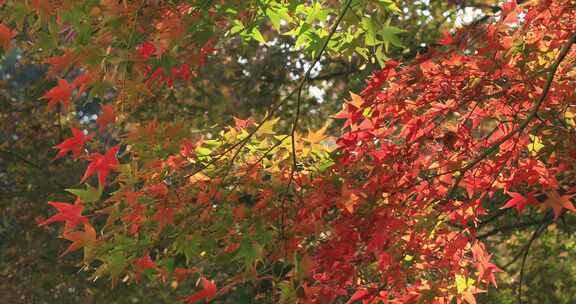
(357, 151)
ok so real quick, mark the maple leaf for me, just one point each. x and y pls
(62, 92)
(43, 6)
(468, 295)
(350, 110)
(242, 123)
(486, 269)
(74, 144)
(187, 148)
(446, 39)
(360, 294)
(510, 11)
(182, 72)
(6, 36)
(147, 49)
(81, 82)
(519, 201)
(61, 63)
(164, 216)
(207, 293)
(80, 238)
(142, 264)
(71, 214)
(106, 117)
(557, 202)
(317, 136)
(102, 164)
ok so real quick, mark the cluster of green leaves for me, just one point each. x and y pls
(366, 28)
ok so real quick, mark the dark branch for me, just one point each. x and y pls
(523, 125)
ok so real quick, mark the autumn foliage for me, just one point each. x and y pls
(384, 211)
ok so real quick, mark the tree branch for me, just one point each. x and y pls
(533, 113)
(32, 164)
(508, 228)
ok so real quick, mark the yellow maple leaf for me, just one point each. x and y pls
(357, 100)
(319, 135)
(535, 144)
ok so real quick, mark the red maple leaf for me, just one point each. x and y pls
(71, 214)
(106, 117)
(360, 294)
(147, 49)
(446, 39)
(62, 92)
(164, 216)
(80, 238)
(187, 148)
(74, 144)
(102, 164)
(142, 264)
(182, 72)
(520, 201)
(207, 293)
(510, 12)
(6, 36)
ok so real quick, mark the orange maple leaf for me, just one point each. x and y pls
(82, 81)
(557, 202)
(242, 123)
(486, 269)
(61, 63)
(80, 238)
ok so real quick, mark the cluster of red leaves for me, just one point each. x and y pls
(63, 91)
(148, 50)
(100, 164)
(436, 140)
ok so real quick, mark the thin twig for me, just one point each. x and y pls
(507, 228)
(303, 81)
(545, 222)
(32, 164)
(535, 235)
(307, 76)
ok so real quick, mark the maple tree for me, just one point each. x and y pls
(386, 210)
